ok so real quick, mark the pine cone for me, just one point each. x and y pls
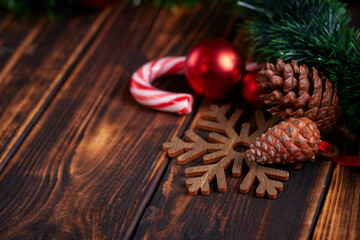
(294, 140)
(295, 92)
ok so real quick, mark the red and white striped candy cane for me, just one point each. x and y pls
(146, 94)
(252, 66)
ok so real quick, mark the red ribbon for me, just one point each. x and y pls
(342, 160)
(325, 147)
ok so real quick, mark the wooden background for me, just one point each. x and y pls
(80, 159)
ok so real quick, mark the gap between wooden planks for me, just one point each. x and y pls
(340, 215)
(35, 98)
(85, 169)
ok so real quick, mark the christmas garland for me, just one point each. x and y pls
(313, 32)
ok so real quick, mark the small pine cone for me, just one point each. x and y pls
(293, 91)
(294, 140)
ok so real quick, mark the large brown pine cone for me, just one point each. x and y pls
(293, 91)
(294, 140)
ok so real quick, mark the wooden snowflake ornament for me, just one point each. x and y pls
(218, 154)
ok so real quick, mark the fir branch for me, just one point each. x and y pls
(314, 32)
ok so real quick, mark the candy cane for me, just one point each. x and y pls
(252, 66)
(144, 93)
(147, 95)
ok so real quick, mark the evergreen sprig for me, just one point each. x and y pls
(314, 32)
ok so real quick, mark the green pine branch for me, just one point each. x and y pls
(314, 32)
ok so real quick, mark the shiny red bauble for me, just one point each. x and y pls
(213, 68)
(250, 91)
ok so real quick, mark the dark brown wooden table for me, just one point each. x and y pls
(80, 159)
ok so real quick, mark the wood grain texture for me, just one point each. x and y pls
(25, 44)
(29, 81)
(90, 164)
(191, 27)
(232, 215)
(13, 35)
(340, 215)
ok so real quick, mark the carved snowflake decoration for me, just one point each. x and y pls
(218, 154)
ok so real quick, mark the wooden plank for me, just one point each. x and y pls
(191, 27)
(173, 213)
(29, 81)
(89, 166)
(15, 36)
(340, 215)
(34, 32)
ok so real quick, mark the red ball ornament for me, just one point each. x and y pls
(213, 68)
(249, 90)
